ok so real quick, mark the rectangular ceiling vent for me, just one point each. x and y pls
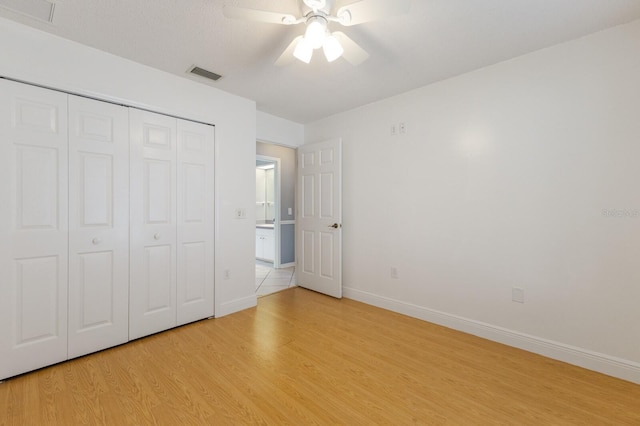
(204, 73)
(38, 9)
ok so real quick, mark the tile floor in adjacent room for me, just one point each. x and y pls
(270, 280)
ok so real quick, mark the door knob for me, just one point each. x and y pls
(335, 226)
(96, 241)
(156, 236)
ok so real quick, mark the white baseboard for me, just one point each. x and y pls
(236, 305)
(612, 366)
(287, 265)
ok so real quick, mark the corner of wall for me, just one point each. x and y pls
(272, 129)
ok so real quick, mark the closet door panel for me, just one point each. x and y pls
(153, 223)
(33, 227)
(99, 225)
(195, 286)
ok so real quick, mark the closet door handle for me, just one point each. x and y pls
(96, 241)
(156, 236)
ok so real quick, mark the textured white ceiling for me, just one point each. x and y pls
(438, 39)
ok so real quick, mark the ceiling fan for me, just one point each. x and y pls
(317, 15)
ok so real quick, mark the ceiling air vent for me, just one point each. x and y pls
(38, 9)
(204, 73)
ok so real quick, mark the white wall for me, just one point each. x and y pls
(503, 180)
(272, 129)
(37, 57)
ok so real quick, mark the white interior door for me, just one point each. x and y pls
(195, 221)
(98, 225)
(153, 223)
(319, 221)
(33, 227)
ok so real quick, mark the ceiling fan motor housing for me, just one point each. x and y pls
(315, 4)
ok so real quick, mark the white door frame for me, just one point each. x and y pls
(277, 207)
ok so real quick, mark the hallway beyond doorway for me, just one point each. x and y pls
(270, 280)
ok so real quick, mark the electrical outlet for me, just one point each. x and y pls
(517, 295)
(394, 130)
(394, 272)
(402, 128)
(289, 211)
(241, 213)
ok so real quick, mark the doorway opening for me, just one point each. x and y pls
(275, 217)
(270, 277)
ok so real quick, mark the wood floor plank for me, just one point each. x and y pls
(301, 358)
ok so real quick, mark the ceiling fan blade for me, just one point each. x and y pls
(353, 53)
(287, 56)
(233, 12)
(372, 10)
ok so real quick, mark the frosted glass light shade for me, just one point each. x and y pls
(332, 48)
(316, 31)
(304, 50)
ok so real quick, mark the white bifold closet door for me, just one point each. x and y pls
(33, 227)
(195, 221)
(98, 225)
(153, 233)
(106, 225)
(171, 222)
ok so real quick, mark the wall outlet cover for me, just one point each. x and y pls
(517, 295)
(394, 272)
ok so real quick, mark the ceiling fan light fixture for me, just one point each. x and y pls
(332, 48)
(316, 31)
(304, 50)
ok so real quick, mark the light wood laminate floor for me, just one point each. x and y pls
(301, 358)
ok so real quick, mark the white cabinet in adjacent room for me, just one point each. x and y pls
(265, 244)
(33, 227)
(259, 248)
(98, 225)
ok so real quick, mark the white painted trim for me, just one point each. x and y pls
(282, 144)
(287, 265)
(605, 364)
(287, 222)
(236, 305)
